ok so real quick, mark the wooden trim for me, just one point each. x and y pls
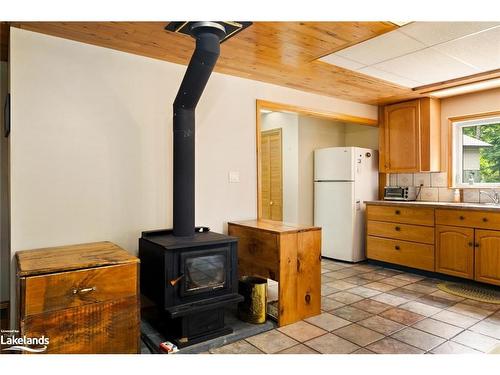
(457, 82)
(263, 104)
(382, 182)
(474, 116)
(451, 120)
(258, 150)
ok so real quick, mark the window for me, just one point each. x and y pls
(476, 152)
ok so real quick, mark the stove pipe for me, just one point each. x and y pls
(208, 36)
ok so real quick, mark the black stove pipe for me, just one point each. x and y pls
(208, 36)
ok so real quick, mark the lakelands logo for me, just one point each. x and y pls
(24, 343)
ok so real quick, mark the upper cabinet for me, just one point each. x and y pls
(410, 136)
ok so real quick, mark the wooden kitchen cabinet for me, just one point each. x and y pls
(455, 251)
(410, 136)
(451, 240)
(401, 234)
(487, 256)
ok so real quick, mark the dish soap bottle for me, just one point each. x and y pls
(456, 196)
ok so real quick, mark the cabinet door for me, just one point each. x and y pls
(487, 257)
(401, 137)
(455, 251)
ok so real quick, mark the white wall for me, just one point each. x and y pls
(91, 143)
(361, 136)
(4, 198)
(289, 125)
(314, 133)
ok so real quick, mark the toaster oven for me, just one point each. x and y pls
(400, 193)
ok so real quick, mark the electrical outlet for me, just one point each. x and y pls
(234, 177)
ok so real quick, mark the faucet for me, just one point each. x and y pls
(494, 195)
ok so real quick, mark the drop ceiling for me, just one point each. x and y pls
(423, 53)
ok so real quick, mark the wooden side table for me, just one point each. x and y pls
(84, 298)
(287, 253)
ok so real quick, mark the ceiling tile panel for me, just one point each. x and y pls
(431, 33)
(341, 61)
(384, 47)
(427, 66)
(481, 50)
(386, 76)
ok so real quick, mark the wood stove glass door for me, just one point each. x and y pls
(203, 273)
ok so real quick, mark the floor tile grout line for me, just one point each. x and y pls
(263, 352)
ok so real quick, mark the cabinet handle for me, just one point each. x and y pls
(461, 217)
(397, 212)
(476, 245)
(470, 244)
(397, 229)
(397, 247)
(485, 219)
(84, 290)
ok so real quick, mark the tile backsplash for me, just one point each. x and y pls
(435, 187)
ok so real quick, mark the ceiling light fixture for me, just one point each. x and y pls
(467, 88)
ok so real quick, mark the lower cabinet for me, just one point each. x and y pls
(455, 251)
(468, 253)
(487, 256)
(457, 242)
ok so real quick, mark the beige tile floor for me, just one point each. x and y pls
(370, 309)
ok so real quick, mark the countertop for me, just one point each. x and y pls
(274, 226)
(461, 206)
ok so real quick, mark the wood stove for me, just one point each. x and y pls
(191, 280)
(189, 272)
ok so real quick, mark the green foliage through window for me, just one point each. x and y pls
(489, 161)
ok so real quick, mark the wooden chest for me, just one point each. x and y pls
(84, 298)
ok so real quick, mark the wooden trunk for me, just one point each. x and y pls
(84, 298)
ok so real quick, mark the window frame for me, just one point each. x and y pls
(455, 158)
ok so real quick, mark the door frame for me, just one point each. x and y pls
(280, 107)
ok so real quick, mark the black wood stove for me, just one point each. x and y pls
(189, 272)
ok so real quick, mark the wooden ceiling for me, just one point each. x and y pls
(282, 53)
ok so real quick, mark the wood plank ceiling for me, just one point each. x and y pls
(282, 53)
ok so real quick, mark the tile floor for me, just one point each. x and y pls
(370, 309)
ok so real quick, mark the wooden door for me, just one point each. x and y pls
(487, 256)
(455, 251)
(402, 133)
(272, 178)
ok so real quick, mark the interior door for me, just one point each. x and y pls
(272, 175)
(487, 256)
(455, 251)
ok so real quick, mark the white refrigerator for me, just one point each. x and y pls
(344, 178)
